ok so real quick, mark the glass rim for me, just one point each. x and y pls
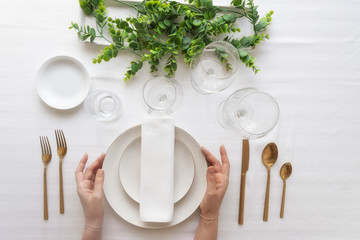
(231, 49)
(173, 83)
(116, 112)
(258, 135)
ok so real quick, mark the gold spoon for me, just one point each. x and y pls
(285, 172)
(269, 157)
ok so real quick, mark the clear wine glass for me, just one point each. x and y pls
(162, 95)
(213, 70)
(249, 113)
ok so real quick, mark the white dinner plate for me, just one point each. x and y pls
(62, 82)
(129, 169)
(125, 206)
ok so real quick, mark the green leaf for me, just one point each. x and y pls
(100, 17)
(235, 43)
(212, 13)
(162, 25)
(261, 25)
(134, 67)
(115, 53)
(224, 55)
(161, 53)
(206, 15)
(85, 36)
(177, 40)
(167, 68)
(132, 37)
(133, 45)
(173, 28)
(188, 23)
(196, 22)
(92, 32)
(107, 55)
(232, 18)
(246, 41)
(243, 54)
(226, 17)
(236, 2)
(123, 24)
(84, 4)
(246, 59)
(139, 65)
(128, 29)
(87, 11)
(186, 40)
(74, 25)
(206, 3)
(158, 30)
(167, 22)
(94, 2)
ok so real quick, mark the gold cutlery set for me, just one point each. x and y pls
(269, 157)
(46, 158)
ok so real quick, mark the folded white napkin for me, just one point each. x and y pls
(157, 169)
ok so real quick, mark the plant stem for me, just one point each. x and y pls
(133, 5)
(231, 11)
(134, 52)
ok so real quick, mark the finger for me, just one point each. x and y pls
(211, 179)
(90, 172)
(225, 161)
(80, 168)
(212, 160)
(100, 159)
(99, 181)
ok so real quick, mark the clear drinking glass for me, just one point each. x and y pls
(214, 69)
(249, 113)
(162, 95)
(103, 105)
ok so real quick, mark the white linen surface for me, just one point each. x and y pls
(311, 65)
(157, 169)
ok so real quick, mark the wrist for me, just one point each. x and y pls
(207, 219)
(209, 215)
(94, 224)
(92, 228)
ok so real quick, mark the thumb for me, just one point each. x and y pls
(210, 179)
(99, 181)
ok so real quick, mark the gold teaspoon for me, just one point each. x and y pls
(269, 157)
(285, 172)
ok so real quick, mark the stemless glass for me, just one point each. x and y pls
(103, 105)
(162, 95)
(249, 113)
(214, 69)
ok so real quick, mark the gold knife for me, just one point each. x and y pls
(244, 168)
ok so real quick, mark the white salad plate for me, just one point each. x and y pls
(126, 207)
(129, 169)
(62, 82)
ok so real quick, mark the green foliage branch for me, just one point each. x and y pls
(163, 29)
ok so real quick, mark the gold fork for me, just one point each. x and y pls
(46, 157)
(61, 150)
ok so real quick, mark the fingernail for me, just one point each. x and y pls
(211, 170)
(100, 172)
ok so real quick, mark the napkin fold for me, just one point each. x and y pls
(157, 169)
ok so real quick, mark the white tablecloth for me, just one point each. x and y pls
(310, 65)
